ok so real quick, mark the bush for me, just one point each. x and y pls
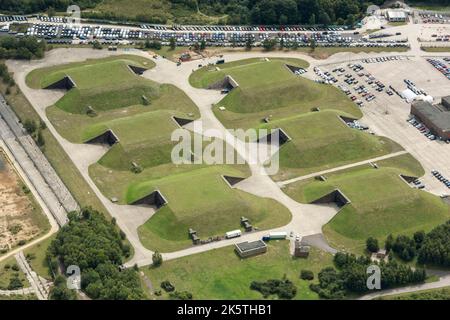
(157, 259)
(183, 295)
(307, 275)
(15, 283)
(167, 286)
(284, 289)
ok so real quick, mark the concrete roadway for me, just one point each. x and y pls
(444, 281)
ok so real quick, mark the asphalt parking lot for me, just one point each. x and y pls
(386, 115)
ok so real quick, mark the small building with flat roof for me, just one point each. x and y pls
(301, 250)
(250, 249)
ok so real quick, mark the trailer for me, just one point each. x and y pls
(278, 235)
(233, 234)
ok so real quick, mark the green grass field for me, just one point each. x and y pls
(37, 254)
(268, 88)
(320, 140)
(221, 274)
(381, 203)
(208, 205)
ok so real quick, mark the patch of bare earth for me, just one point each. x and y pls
(16, 209)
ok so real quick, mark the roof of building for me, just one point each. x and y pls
(396, 14)
(434, 114)
(249, 246)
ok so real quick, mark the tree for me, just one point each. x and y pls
(389, 243)
(281, 44)
(372, 245)
(312, 19)
(203, 45)
(269, 44)
(51, 12)
(30, 126)
(60, 291)
(312, 44)
(172, 43)
(40, 139)
(419, 237)
(157, 259)
(249, 43)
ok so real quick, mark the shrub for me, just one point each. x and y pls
(307, 275)
(167, 286)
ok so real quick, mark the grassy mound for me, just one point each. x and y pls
(381, 203)
(268, 88)
(200, 199)
(320, 140)
(221, 274)
(100, 84)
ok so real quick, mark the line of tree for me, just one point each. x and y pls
(430, 248)
(350, 276)
(435, 248)
(268, 12)
(96, 246)
(25, 48)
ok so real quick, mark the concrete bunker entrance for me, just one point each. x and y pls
(65, 83)
(336, 196)
(154, 199)
(106, 138)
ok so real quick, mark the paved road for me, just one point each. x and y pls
(348, 166)
(443, 281)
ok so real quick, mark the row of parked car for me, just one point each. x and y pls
(384, 59)
(411, 86)
(217, 38)
(434, 18)
(422, 128)
(13, 19)
(441, 178)
(440, 66)
(52, 19)
(325, 76)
